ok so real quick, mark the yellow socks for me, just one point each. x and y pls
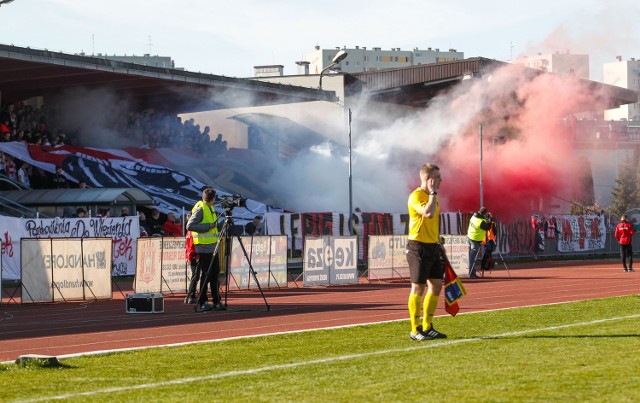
(430, 306)
(414, 311)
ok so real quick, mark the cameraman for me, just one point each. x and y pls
(488, 244)
(203, 225)
(478, 227)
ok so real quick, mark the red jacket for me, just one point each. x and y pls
(191, 248)
(624, 232)
(172, 229)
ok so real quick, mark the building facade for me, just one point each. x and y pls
(558, 62)
(360, 59)
(626, 74)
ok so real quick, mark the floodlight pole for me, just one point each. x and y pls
(340, 56)
(350, 180)
(481, 189)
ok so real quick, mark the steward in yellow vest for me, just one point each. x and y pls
(478, 226)
(203, 224)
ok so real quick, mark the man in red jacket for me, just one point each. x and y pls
(624, 232)
(172, 226)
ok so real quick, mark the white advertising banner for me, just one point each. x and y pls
(342, 259)
(97, 265)
(149, 266)
(122, 230)
(37, 275)
(457, 248)
(581, 233)
(314, 265)
(174, 264)
(387, 258)
(66, 262)
(66, 269)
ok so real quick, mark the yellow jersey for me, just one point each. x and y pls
(422, 229)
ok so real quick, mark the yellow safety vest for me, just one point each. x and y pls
(475, 233)
(209, 216)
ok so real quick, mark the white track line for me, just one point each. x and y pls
(229, 374)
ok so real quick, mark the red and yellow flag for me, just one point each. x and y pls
(453, 289)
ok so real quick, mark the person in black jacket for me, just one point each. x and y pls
(253, 228)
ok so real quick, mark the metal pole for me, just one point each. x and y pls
(350, 180)
(481, 189)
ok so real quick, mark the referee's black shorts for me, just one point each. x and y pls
(424, 261)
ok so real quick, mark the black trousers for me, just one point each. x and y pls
(209, 278)
(626, 252)
(195, 277)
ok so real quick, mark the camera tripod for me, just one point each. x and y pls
(226, 235)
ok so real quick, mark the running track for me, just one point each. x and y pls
(81, 327)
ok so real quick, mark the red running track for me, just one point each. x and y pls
(83, 327)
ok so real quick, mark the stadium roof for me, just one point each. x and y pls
(25, 73)
(417, 85)
(79, 197)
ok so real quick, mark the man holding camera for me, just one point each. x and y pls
(478, 227)
(203, 223)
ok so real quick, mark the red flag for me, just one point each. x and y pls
(453, 289)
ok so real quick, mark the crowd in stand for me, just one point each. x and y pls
(24, 123)
(30, 125)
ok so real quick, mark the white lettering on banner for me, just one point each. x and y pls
(317, 277)
(345, 276)
(398, 242)
(325, 257)
(319, 257)
(96, 261)
(71, 284)
(344, 255)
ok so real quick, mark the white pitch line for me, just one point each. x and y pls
(317, 361)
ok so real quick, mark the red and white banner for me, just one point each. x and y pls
(171, 190)
(123, 230)
(581, 233)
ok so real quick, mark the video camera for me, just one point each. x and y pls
(229, 202)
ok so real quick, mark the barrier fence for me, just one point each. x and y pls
(67, 268)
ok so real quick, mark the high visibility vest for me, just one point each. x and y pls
(491, 236)
(475, 233)
(209, 217)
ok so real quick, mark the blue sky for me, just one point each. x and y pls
(230, 37)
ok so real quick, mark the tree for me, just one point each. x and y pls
(626, 192)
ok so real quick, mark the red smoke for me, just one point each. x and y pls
(528, 153)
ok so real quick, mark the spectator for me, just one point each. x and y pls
(80, 212)
(23, 173)
(254, 227)
(58, 180)
(172, 226)
(144, 225)
(10, 167)
(124, 212)
(104, 212)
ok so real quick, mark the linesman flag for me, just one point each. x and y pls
(453, 289)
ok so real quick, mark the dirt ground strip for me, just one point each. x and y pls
(81, 327)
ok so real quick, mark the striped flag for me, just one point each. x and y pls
(453, 289)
